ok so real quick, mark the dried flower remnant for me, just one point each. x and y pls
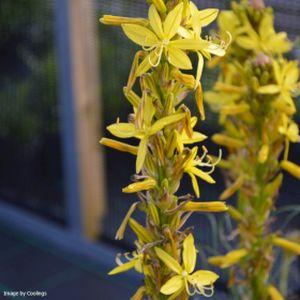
(163, 126)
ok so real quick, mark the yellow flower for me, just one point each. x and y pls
(286, 77)
(266, 39)
(274, 293)
(200, 282)
(160, 38)
(190, 167)
(128, 130)
(289, 129)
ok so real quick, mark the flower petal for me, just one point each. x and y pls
(140, 35)
(204, 176)
(179, 58)
(207, 16)
(172, 285)
(155, 21)
(195, 184)
(168, 260)
(122, 268)
(160, 124)
(141, 155)
(269, 89)
(173, 21)
(149, 61)
(203, 277)
(189, 254)
(122, 130)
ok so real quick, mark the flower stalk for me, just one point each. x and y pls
(254, 98)
(165, 150)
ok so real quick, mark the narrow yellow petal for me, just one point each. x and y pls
(122, 130)
(149, 61)
(119, 146)
(227, 141)
(274, 293)
(200, 67)
(160, 5)
(195, 184)
(140, 35)
(263, 153)
(139, 294)
(155, 21)
(290, 167)
(146, 184)
(204, 176)
(203, 277)
(190, 44)
(141, 155)
(229, 259)
(287, 245)
(168, 260)
(189, 254)
(122, 268)
(179, 58)
(269, 89)
(172, 285)
(237, 184)
(213, 206)
(172, 21)
(197, 137)
(165, 121)
(140, 231)
(207, 16)
(199, 101)
(122, 228)
(246, 42)
(117, 20)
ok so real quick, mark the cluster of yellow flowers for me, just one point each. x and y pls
(163, 126)
(254, 98)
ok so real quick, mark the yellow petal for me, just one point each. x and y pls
(204, 176)
(200, 67)
(213, 206)
(214, 49)
(290, 167)
(140, 35)
(122, 130)
(155, 21)
(160, 5)
(190, 44)
(195, 184)
(293, 132)
(274, 293)
(263, 153)
(172, 285)
(207, 16)
(141, 155)
(197, 137)
(146, 184)
(189, 254)
(183, 32)
(165, 121)
(117, 20)
(229, 259)
(269, 89)
(139, 294)
(122, 268)
(227, 141)
(119, 146)
(179, 58)
(246, 43)
(234, 187)
(140, 231)
(168, 260)
(172, 22)
(199, 101)
(203, 277)
(287, 245)
(149, 61)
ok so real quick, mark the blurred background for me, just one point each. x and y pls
(61, 80)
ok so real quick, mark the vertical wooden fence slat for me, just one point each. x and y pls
(82, 109)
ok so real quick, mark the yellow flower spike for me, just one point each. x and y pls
(120, 233)
(200, 282)
(290, 167)
(146, 184)
(213, 206)
(233, 188)
(231, 258)
(140, 231)
(227, 141)
(118, 21)
(119, 146)
(274, 293)
(263, 154)
(287, 245)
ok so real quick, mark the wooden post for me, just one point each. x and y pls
(79, 59)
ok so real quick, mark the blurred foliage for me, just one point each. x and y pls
(28, 71)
